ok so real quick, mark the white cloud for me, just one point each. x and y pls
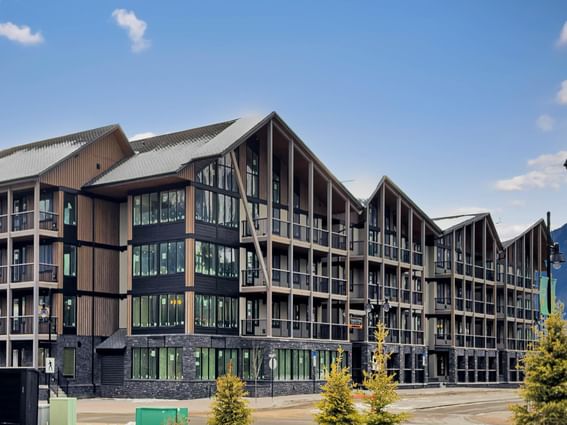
(562, 93)
(547, 172)
(563, 36)
(545, 122)
(136, 28)
(20, 34)
(141, 136)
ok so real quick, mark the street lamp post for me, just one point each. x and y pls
(554, 257)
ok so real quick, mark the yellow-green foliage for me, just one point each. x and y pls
(337, 406)
(229, 406)
(545, 386)
(381, 386)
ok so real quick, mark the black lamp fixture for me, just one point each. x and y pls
(556, 257)
(565, 164)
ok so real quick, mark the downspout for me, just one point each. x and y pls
(92, 295)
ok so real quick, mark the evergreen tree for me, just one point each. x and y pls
(229, 406)
(337, 406)
(545, 385)
(381, 386)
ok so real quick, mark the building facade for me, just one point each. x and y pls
(146, 268)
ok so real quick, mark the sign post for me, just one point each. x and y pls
(273, 364)
(49, 370)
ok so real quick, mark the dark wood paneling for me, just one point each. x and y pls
(158, 232)
(215, 285)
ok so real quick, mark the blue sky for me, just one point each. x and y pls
(450, 99)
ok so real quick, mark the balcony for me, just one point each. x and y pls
(390, 252)
(528, 314)
(280, 278)
(339, 332)
(479, 307)
(443, 339)
(479, 342)
(374, 249)
(490, 342)
(254, 327)
(460, 340)
(321, 330)
(490, 308)
(251, 277)
(22, 273)
(358, 291)
(280, 228)
(393, 336)
(442, 267)
(3, 223)
(478, 272)
(301, 232)
(510, 311)
(391, 293)
(406, 256)
(48, 221)
(48, 272)
(357, 247)
(320, 284)
(468, 269)
(490, 274)
(459, 304)
(417, 337)
(405, 336)
(3, 274)
(301, 281)
(301, 329)
(373, 292)
(443, 304)
(418, 258)
(321, 237)
(22, 221)
(3, 325)
(339, 286)
(468, 305)
(406, 296)
(519, 313)
(460, 267)
(510, 279)
(339, 241)
(281, 328)
(418, 298)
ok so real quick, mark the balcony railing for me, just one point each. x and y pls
(468, 269)
(252, 277)
(468, 305)
(511, 311)
(301, 232)
(358, 290)
(48, 220)
(301, 280)
(321, 237)
(490, 308)
(418, 298)
(459, 304)
(390, 252)
(301, 329)
(406, 256)
(479, 307)
(442, 267)
(321, 284)
(3, 274)
(373, 292)
(442, 303)
(374, 249)
(391, 293)
(339, 286)
(357, 247)
(3, 325)
(281, 328)
(393, 336)
(48, 272)
(417, 337)
(479, 272)
(22, 221)
(490, 274)
(339, 332)
(280, 278)
(22, 273)
(479, 341)
(406, 296)
(321, 330)
(339, 241)
(460, 267)
(254, 327)
(21, 325)
(418, 258)
(280, 228)
(405, 336)
(442, 339)
(3, 223)
(490, 342)
(510, 279)
(460, 340)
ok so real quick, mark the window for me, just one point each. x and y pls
(164, 363)
(158, 207)
(216, 260)
(227, 211)
(204, 206)
(276, 184)
(69, 362)
(219, 173)
(164, 258)
(69, 260)
(216, 311)
(69, 312)
(69, 214)
(166, 310)
(218, 208)
(294, 365)
(252, 170)
(324, 360)
(252, 364)
(211, 363)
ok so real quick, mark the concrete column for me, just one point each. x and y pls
(9, 254)
(269, 253)
(35, 349)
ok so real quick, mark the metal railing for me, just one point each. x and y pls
(460, 267)
(417, 337)
(442, 267)
(479, 307)
(3, 274)
(390, 252)
(357, 247)
(405, 336)
(478, 272)
(22, 221)
(48, 272)
(374, 249)
(301, 329)
(459, 304)
(339, 286)
(301, 232)
(373, 292)
(21, 325)
(442, 303)
(339, 332)
(418, 258)
(280, 278)
(442, 339)
(3, 325)
(48, 220)
(339, 241)
(22, 272)
(280, 228)
(321, 237)
(321, 330)
(320, 284)
(468, 269)
(391, 293)
(3, 223)
(406, 256)
(418, 298)
(281, 328)
(300, 280)
(489, 308)
(479, 341)
(252, 277)
(406, 296)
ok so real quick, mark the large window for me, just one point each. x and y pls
(163, 258)
(211, 207)
(293, 365)
(165, 310)
(158, 207)
(211, 363)
(325, 359)
(69, 210)
(69, 312)
(216, 260)
(252, 363)
(69, 260)
(216, 311)
(252, 170)
(163, 363)
(219, 173)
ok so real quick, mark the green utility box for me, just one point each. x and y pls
(160, 415)
(63, 411)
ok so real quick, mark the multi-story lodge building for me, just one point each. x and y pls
(147, 267)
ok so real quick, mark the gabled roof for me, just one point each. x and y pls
(168, 153)
(388, 181)
(540, 222)
(451, 222)
(33, 159)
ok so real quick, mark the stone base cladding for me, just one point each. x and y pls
(472, 365)
(190, 387)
